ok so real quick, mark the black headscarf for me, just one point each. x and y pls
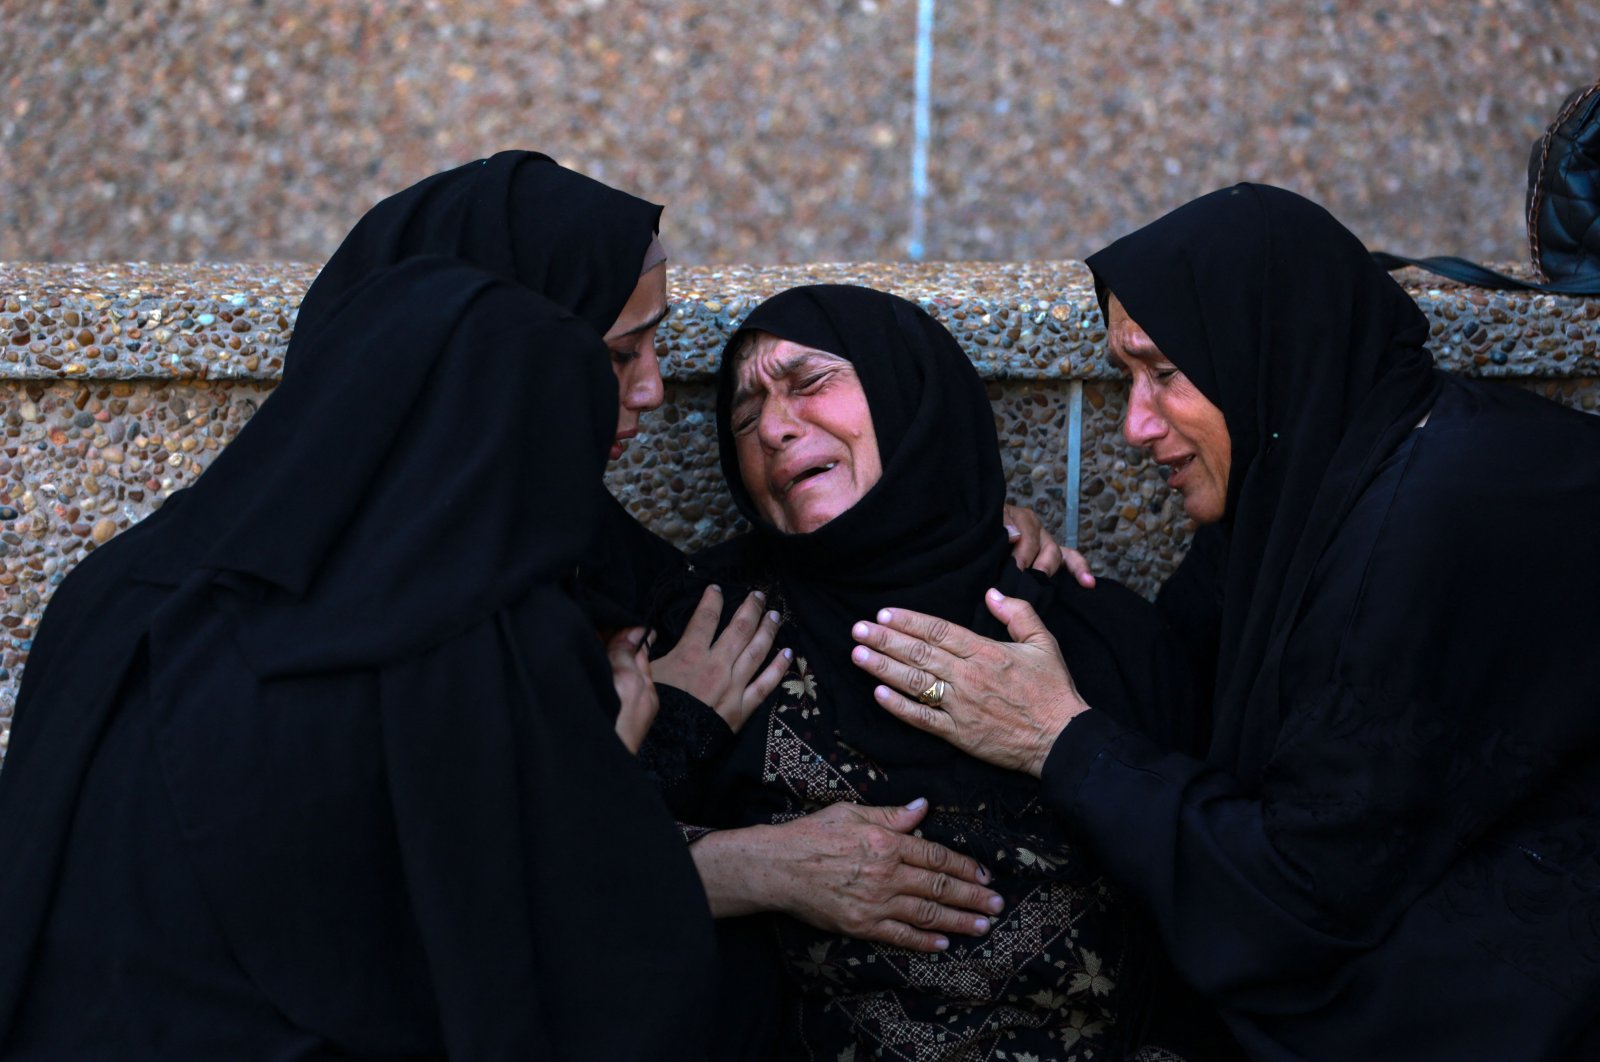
(928, 536)
(517, 214)
(581, 244)
(362, 639)
(1316, 358)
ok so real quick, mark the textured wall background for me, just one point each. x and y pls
(171, 130)
(119, 384)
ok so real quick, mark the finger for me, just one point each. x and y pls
(749, 661)
(702, 626)
(900, 935)
(910, 651)
(911, 680)
(932, 916)
(1024, 550)
(1078, 565)
(919, 715)
(1022, 622)
(899, 819)
(930, 857)
(940, 633)
(761, 687)
(1049, 558)
(741, 628)
(622, 646)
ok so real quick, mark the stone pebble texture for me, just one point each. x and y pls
(120, 382)
(785, 132)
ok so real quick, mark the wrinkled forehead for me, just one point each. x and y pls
(765, 357)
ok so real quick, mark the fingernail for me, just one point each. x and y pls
(773, 616)
(860, 630)
(788, 654)
(715, 587)
(1012, 532)
(995, 595)
(983, 872)
(917, 804)
(860, 654)
(758, 595)
(884, 615)
(881, 694)
(995, 904)
(942, 944)
(980, 925)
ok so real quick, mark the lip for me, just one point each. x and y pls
(1179, 464)
(620, 442)
(782, 480)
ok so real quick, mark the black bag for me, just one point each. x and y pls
(1563, 210)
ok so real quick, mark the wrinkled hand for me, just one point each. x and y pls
(852, 870)
(1032, 547)
(630, 674)
(1004, 702)
(725, 670)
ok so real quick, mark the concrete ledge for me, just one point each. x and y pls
(119, 382)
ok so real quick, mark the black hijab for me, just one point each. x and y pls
(396, 527)
(1316, 358)
(928, 536)
(516, 214)
(581, 244)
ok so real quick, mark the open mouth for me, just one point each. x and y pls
(809, 473)
(1175, 469)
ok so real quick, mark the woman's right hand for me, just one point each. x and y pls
(852, 870)
(725, 670)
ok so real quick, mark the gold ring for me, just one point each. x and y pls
(934, 694)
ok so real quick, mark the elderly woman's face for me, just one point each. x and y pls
(803, 434)
(1170, 419)
(632, 341)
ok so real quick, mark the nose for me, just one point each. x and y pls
(642, 387)
(1144, 424)
(776, 424)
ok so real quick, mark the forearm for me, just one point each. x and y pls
(737, 872)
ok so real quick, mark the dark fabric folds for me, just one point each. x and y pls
(1390, 845)
(381, 719)
(1317, 361)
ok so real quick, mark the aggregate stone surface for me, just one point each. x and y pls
(780, 132)
(119, 382)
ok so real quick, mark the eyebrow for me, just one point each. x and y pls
(659, 316)
(744, 392)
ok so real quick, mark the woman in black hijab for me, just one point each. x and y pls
(1390, 845)
(317, 761)
(859, 442)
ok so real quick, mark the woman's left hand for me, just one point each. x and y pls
(630, 674)
(1033, 547)
(1003, 702)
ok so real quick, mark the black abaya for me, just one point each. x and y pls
(318, 762)
(1391, 848)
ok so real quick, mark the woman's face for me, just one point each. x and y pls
(803, 434)
(632, 340)
(1170, 419)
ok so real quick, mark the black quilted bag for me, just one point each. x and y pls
(1563, 210)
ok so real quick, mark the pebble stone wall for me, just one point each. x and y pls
(120, 382)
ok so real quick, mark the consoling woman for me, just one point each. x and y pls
(859, 442)
(318, 760)
(1390, 845)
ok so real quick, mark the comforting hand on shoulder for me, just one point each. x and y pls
(1033, 547)
(1003, 702)
(725, 671)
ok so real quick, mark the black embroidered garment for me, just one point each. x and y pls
(1064, 972)
(1392, 847)
(317, 761)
